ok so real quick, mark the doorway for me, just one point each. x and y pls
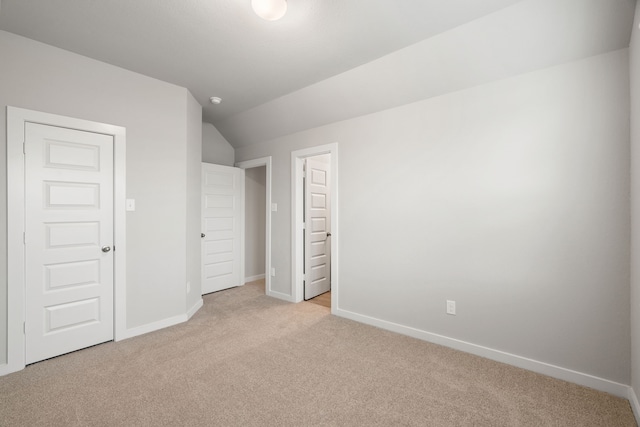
(317, 226)
(326, 231)
(255, 223)
(260, 172)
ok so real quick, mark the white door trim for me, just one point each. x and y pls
(248, 164)
(297, 218)
(16, 118)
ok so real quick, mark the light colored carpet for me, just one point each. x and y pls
(249, 360)
(322, 299)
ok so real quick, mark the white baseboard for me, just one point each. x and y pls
(5, 369)
(150, 327)
(129, 333)
(617, 389)
(280, 295)
(253, 278)
(633, 400)
(133, 332)
(195, 308)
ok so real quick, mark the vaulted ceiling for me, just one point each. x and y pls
(263, 70)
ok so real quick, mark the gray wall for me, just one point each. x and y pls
(156, 116)
(193, 193)
(634, 53)
(511, 198)
(215, 148)
(255, 199)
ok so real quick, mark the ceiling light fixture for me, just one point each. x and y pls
(271, 10)
(215, 100)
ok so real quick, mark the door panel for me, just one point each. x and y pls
(317, 258)
(69, 274)
(69, 218)
(222, 225)
(71, 314)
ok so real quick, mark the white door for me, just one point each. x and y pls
(68, 240)
(317, 232)
(222, 227)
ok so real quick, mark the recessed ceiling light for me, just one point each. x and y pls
(215, 100)
(271, 10)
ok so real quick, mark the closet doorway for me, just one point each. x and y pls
(258, 208)
(315, 223)
(317, 226)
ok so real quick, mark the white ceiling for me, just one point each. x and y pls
(527, 36)
(221, 48)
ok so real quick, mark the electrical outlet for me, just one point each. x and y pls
(451, 307)
(273, 272)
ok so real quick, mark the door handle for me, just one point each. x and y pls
(202, 235)
(106, 248)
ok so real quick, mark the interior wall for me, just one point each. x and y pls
(511, 198)
(194, 157)
(40, 77)
(255, 220)
(634, 61)
(215, 148)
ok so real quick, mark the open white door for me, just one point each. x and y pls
(317, 253)
(222, 227)
(69, 235)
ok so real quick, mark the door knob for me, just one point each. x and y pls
(106, 248)
(202, 235)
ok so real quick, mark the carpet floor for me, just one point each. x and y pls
(249, 360)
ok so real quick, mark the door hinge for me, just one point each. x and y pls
(304, 225)
(24, 148)
(24, 238)
(24, 328)
(304, 277)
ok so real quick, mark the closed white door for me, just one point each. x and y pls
(68, 240)
(317, 232)
(222, 227)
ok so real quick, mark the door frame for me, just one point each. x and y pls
(16, 262)
(249, 164)
(297, 220)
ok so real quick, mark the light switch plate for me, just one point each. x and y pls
(274, 207)
(131, 205)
